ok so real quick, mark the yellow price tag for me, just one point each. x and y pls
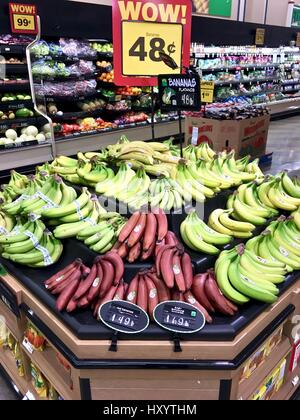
(207, 91)
(150, 48)
(260, 36)
(24, 22)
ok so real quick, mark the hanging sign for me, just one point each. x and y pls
(23, 18)
(207, 91)
(150, 38)
(123, 317)
(179, 92)
(179, 317)
(260, 36)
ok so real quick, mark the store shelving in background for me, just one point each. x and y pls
(251, 75)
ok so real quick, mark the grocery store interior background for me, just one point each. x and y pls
(249, 49)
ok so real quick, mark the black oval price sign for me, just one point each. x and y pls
(123, 317)
(179, 317)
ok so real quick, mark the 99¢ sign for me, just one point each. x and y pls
(23, 18)
(150, 38)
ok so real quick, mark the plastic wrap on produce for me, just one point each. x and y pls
(67, 89)
(76, 48)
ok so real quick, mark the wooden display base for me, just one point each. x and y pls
(150, 369)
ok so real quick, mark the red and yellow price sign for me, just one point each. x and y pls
(151, 37)
(23, 18)
(151, 48)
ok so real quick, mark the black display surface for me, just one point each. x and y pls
(85, 327)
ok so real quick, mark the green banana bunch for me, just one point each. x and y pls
(253, 168)
(15, 207)
(200, 237)
(7, 223)
(76, 222)
(190, 153)
(105, 236)
(33, 235)
(242, 164)
(280, 242)
(280, 198)
(242, 275)
(44, 254)
(68, 207)
(17, 182)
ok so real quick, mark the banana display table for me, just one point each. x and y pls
(152, 366)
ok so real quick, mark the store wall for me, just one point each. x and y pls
(255, 10)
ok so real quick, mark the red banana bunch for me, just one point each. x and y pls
(206, 290)
(77, 286)
(142, 234)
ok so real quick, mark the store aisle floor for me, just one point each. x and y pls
(284, 142)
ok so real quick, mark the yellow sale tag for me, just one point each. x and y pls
(24, 22)
(260, 36)
(207, 91)
(150, 48)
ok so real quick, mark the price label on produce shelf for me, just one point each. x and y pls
(207, 91)
(23, 18)
(179, 92)
(28, 346)
(123, 317)
(179, 317)
(151, 48)
(260, 36)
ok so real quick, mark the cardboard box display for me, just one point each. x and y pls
(244, 136)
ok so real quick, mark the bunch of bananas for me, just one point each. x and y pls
(254, 270)
(253, 168)
(76, 217)
(16, 186)
(31, 244)
(41, 196)
(203, 151)
(155, 157)
(200, 237)
(167, 194)
(280, 242)
(281, 192)
(250, 204)
(222, 221)
(115, 184)
(7, 223)
(135, 193)
(191, 185)
(103, 236)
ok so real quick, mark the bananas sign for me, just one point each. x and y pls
(150, 38)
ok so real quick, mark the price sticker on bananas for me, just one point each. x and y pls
(123, 317)
(179, 317)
